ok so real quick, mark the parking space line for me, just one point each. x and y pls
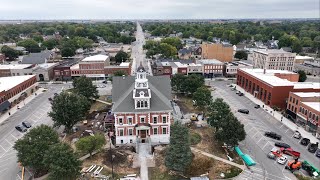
(260, 139)
(3, 169)
(255, 134)
(19, 177)
(287, 130)
(9, 142)
(14, 137)
(3, 149)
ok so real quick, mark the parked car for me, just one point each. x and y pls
(105, 82)
(273, 135)
(240, 94)
(26, 124)
(282, 160)
(305, 141)
(318, 153)
(297, 135)
(313, 147)
(281, 144)
(257, 106)
(271, 155)
(21, 128)
(245, 111)
(290, 152)
(50, 99)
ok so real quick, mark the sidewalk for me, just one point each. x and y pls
(277, 115)
(218, 158)
(14, 109)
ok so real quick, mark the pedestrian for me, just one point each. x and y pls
(9, 113)
(281, 118)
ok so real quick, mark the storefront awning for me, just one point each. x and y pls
(4, 106)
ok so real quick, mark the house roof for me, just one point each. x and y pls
(184, 51)
(123, 88)
(36, 58)
(67, 63)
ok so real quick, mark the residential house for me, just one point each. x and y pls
(184, 53)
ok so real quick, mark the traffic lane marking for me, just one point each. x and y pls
(6, 145)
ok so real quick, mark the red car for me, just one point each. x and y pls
(290, 151)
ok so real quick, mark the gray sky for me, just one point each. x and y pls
(157, 9)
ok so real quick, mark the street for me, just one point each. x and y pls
(256, 144)
(35, 112)
(138, 54)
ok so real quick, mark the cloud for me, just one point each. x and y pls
(157, 9)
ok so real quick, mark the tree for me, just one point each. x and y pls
(90, 144)
(9, 52)
(33, 146)
(241, 55)
(67, 52)
(193, 82)
(37, 38)
(202, 97)
(231, 130)
(177, 82)
(167, 50)
(50, 44)
(316, 43)
(68, 109)
(62, 162)
(120, 73)
(178, 154)
(31, 45)
(302, 76)
(296, 46)
(121, 56)
(173, 41)
(83, 86)
(217, 111)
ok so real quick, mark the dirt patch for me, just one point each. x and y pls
(186, 105)
(98, 106)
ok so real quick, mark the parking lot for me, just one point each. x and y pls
(35, 112)
(256, 123)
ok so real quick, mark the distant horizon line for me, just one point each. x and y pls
(142, 19)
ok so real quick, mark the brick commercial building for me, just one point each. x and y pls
(273, 86)
(303, 108)
(231, 69)
(211, 67)
(15, 89)
(62, 72)
(221, 52)
(142, 109)
(277, 59)
(124, 66)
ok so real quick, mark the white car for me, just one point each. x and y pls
(282, 160)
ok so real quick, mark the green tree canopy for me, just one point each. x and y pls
(177, 82)
(121, 56)
(178, 154)
(38, 38)
(231, 130)
(68, 109)
(173, 41)
(9, 52)
(193, 82)
(202, 97)
(30, 45)
(62, 162)
(241, 55)
(33, 147)
(83, 86)
(167, 50)
(90, 144)
(302, 76)
(50, 44)
(120, 73)
(217, 111)
(296, 46)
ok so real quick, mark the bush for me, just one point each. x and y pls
(233, 172)
(195, 138)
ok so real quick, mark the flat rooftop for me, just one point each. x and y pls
(307, 94)
(306, 85)
(124, 64)
(47, 65)
(98, 57)
(76, 67)
(15, 66)
(272, 51)
(238, 63)
(269, 76)
(209, 61)
(313, 105)
(305, 57)
(7, 83)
